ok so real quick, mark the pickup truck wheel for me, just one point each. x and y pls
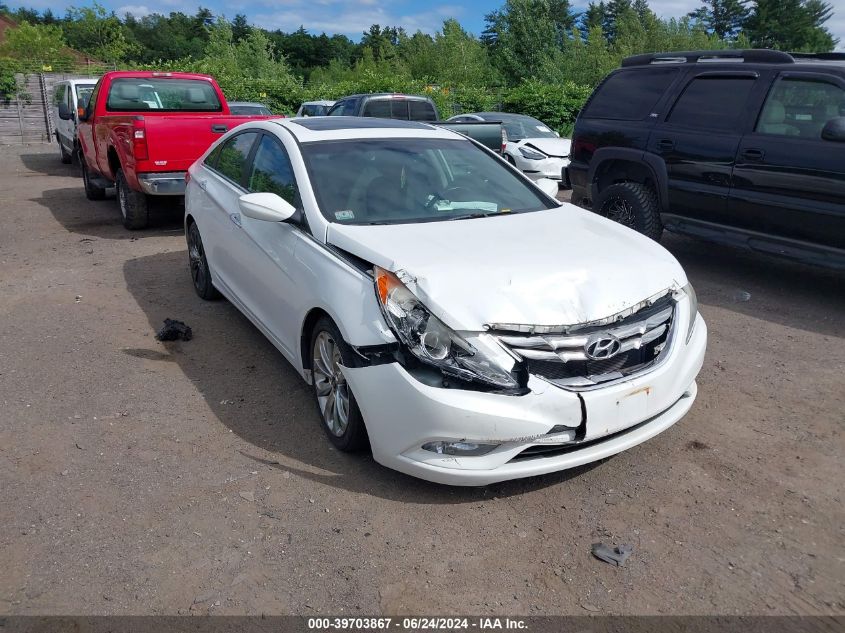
(336, 406)
(633, 205)
(200, 272)
(133, 204)
(92, 192)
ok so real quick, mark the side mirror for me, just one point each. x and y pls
(834, 130)
(548, 186)
(64, 112)
(266, 206)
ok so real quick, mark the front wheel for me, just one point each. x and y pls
(341, 418)
(633, 205)
(133, 204)
(65, 156)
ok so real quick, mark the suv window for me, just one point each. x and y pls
(60, 94)
(232, 157)
(377, 108)
(629, 95)
(800, 107)
(344, 108)
(422, 111)
(712, 103)
(272, 172)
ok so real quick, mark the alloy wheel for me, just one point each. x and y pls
(330, 384)
(196, 256)
(621, 211)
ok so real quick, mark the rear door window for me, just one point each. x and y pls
(421, 111)
(399, 109)
(379, 108)
(233, 156)
(712, 103)
(629, 95)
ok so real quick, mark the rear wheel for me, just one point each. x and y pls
(341, 418)
(92, 192)
(633, 205)
(133, 204)
(200, 272)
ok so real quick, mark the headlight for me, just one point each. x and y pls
(531, 154)
(429, 339)
(693, 309)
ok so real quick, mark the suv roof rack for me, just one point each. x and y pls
(750, 55)
(835, 57)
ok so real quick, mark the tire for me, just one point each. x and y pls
(633, 205)
(198, 265)
(564, 181)
(133, 204)
(92, 192)
(510, 159)
(65, 156)
(328, 345)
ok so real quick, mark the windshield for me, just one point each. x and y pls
(518, 128)
(249, 110)
(314, 109)
(83, 94)
(405, 181)
(153, 93)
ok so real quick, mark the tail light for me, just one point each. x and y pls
(504, 139)
(187, 176)
(582, 150)
(139, 139)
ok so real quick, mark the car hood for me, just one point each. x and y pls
(550, 146)
(563, 266)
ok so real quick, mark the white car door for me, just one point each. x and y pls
(63, 127)
(275, 271)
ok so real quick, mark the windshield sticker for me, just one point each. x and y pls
(471, 205)
(543, 128)
(345, 214)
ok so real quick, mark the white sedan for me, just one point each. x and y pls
(531, 145)
(446, 311)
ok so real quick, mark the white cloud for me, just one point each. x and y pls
(352, 17)
(138, 11)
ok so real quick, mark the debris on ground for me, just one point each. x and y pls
(174, 330)
(742, 295)
(613, 555)
(249, 496)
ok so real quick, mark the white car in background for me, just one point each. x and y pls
(68, 95)
(314, 108)
(531, 145)
(444, 308)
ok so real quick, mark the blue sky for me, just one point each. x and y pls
(351, 17)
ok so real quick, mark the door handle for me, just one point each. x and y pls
(753, 155)
(236, 219)
(203, 184)
(665, 145)
(219, 128)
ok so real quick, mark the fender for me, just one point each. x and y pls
(120, 142)
(656, 165)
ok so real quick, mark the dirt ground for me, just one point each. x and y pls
(145, 478)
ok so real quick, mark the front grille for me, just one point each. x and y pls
(562, 358)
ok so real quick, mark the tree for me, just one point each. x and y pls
(459, 58)
(95, 31)
(34, 43)
(240, 28)
(722, 17)
(790, 25)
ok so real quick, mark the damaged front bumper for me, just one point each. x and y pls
(546, 430)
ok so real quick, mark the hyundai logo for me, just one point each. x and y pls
(602, 346)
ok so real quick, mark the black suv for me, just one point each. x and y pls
(740, 147)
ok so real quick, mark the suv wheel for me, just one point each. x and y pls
(633, 205)
(66, 156)
(92, 192)
(342, 420)
(133, 204)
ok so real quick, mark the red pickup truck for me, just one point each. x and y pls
(142, 130)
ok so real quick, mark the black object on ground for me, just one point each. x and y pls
(174, 330)
(615, 555)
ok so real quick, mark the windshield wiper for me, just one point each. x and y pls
(477, 214)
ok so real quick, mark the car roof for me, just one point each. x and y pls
(401, 95)
(254, 104)
(323, 102)
(324, 128)
(500, 116)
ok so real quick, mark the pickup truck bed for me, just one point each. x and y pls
(142, 130)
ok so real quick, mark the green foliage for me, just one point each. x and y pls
(556, 105)
(97, 32)
(791, 25)
(34, 43)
